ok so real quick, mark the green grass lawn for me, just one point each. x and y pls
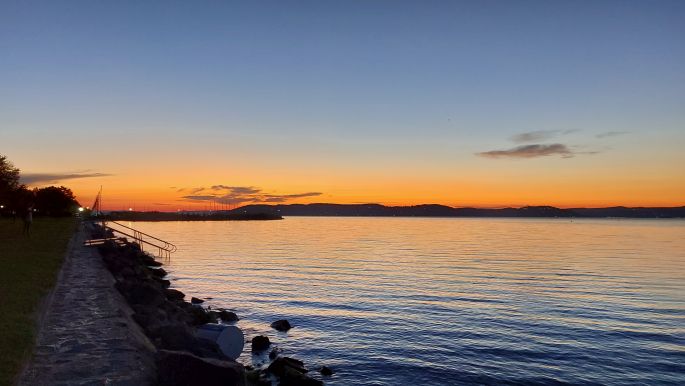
(28, 269)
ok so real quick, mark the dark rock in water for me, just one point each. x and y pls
(195, 300)
(325, 370)
(159, 272)
(213, 316)
(273, 354)
(291, 372)
(173, 294)
(198, 315)
(148, 260)
(164, 283)
(281, 325)
(228, 316)
(283, 364)
(177, 368)
(260, 343)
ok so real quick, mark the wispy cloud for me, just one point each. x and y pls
(530, 151)
(237, 189)
(539, 135)
(227, 194)
(201, 197)
(611, 134)
(51, 178)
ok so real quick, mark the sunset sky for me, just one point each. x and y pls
(167, 104)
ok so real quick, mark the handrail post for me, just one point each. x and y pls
(165, 248)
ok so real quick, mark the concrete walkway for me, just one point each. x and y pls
(86, 335)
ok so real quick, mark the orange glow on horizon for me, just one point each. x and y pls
(151, 198)
(158, 183)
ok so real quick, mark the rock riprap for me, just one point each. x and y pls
(281, 325)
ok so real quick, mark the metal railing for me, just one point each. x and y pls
(164, 248)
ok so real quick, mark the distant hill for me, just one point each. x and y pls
(432, 210)
(194, 216)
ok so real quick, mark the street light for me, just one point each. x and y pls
(80, 209)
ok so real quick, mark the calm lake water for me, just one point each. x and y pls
(415, 301)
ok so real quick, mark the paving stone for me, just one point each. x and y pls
(87, 336)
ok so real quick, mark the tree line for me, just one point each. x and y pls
(17, 199)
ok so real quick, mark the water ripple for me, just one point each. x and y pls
(388, 301)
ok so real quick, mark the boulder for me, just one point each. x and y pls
(159, 272)
(149, 317)
(326, 371)
(195, 300)
(148, 260)
(228, 316)
(281, 325)
(126, 272)
(198, 315)
(137, 292)
(174, 337)
(181, 337)
(173, 294)
(163, 282)
(291, 372)
(178, 368)
(213, 316)
(260, 343)
(285, 364)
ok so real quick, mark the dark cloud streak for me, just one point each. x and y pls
(611, 134)
(243, 194)
(540, 135)
(530, 151)
(200, 197)
(49, 178)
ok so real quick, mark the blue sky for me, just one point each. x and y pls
(360, 86)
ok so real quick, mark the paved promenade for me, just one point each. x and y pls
(87, 336)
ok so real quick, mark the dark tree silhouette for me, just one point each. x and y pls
(21, 199)
(9, 180)
(55, 201)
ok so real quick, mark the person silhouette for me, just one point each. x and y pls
(28, 220)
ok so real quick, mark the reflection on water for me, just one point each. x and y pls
(389, 301)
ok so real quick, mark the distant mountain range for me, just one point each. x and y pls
(432, 210)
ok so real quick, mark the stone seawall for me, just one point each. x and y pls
(86, 335)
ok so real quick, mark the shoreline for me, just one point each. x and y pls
(170, 323)
(173, 216)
